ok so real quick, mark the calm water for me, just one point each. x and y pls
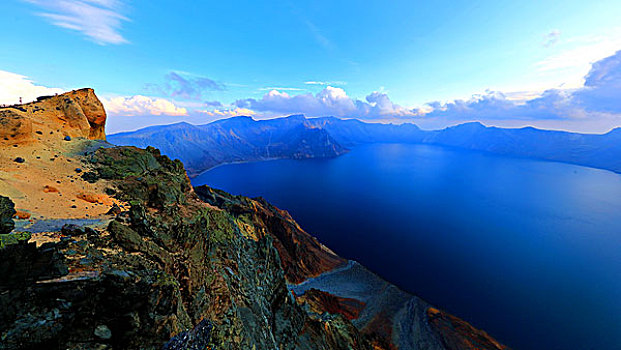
(530, 251)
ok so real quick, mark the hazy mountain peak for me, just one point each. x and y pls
(239, 118)
(469, 125)
(615, 131)
(296, 117)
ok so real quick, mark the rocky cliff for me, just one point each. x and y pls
(107, 247)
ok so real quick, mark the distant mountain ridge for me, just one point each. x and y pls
(601, 151)
(239, 139)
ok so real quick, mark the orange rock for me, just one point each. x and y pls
(79, 113)
(84, 113)
(87, 197)
(50, 189)
(94, 198)
(432, 311)
(22, 215)
(459, 334)
(320, 302)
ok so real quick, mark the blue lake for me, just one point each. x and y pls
(529, 251)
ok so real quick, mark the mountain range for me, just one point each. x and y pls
(241, 139)
(201, 147)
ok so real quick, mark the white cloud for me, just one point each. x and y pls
(331, 100)
(226, 113)
(597, 103)
(139, 105)
(99, 20)
(13, 86)
(574, 58)
(324, 83)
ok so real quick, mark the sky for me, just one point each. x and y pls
(549, 64)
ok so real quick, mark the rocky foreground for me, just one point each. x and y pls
(105, 247)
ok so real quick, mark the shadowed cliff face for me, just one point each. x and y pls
(320, 302)
(302, 256)
(146, 262)
(457, 334)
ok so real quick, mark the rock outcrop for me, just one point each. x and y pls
(78, 113)
(153, 263)
(302, 256)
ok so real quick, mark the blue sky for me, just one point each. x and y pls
(156, 62)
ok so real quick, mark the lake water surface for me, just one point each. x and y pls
(529, 251)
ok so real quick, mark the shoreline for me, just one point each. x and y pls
(257, 161)
(617, 172)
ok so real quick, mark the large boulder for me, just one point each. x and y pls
(85, 112)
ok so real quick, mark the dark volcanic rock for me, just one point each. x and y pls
(459, 335)
(320, 302)
(196, 339)
(7, 210)
(22, 264)
(302, 256)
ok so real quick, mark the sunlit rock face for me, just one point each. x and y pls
(77, 113)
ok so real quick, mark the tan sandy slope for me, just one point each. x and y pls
(39, 165)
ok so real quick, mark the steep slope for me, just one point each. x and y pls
(238, 139)
(161, 265)
(302, 256)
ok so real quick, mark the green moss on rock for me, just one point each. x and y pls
(13, 238)
(7, 210)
